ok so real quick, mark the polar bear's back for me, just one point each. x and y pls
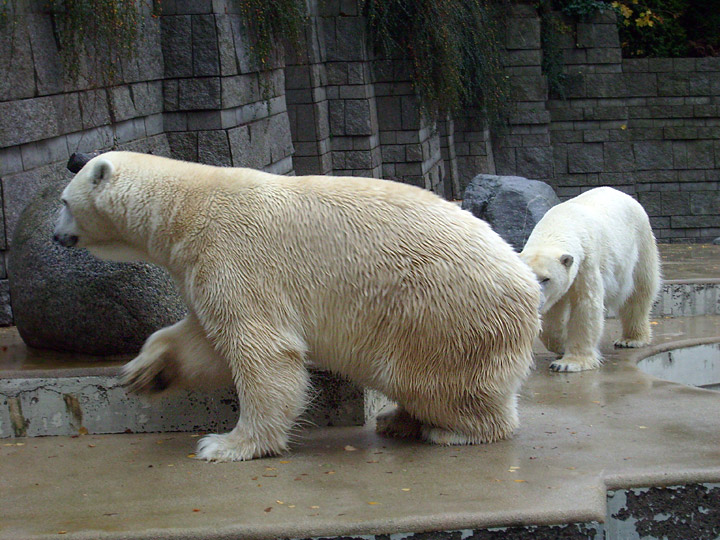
(388, 268)
(385, 283)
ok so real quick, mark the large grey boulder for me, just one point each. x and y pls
(512, 205)
(67, 300)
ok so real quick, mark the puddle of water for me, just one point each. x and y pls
(698, 365)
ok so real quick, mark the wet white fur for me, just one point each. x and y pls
(384, 283)
(615, 266)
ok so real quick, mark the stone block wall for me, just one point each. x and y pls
(650, 127)
(329, 105)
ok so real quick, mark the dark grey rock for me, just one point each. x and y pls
(67, 300)
(512, 205)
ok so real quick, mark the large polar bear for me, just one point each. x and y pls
(593, 253)
(384, 283)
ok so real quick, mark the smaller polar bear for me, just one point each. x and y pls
(383, 283)
(593, 253)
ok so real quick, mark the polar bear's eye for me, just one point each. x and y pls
(544, 280)
(64, 201)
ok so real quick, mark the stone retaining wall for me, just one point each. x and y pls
(329, 106)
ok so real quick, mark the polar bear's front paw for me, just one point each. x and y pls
(631, 343)
(574, 363)
(148, 375)
(229, 447)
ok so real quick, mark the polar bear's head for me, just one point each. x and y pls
(555, 270)
(88, 217)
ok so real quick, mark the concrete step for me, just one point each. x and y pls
(43, 393)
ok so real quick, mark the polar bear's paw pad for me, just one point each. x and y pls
(226, 447)
(630, 343)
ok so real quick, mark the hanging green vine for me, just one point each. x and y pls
(268, 21)
(454, 48)
(102, 31)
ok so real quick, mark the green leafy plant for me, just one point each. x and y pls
(454, 49)
(268, 21)
(652, 27)
(102, 31)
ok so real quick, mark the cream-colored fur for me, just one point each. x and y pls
(593, 253)
(384, 283)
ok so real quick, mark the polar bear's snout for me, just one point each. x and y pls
(65, 232)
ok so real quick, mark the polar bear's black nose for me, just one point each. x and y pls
(65, 240)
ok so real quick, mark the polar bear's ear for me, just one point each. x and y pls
(566, 260)
(102, 169)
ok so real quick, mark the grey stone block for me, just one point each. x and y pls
(585, 158)
(358, 119)
(597, 35)
(641, 84)
(248, 151)
(193, 6)
(350, 40)
(536, 161)
(94, 108)
(16, 61)
(653, 155)
(200, 93)
(512, 205)
(523, 33)
(389, 111)
(618, 157)
(177, 45)
(183, 145)
(529, 88)
(121, 103)
(45, 58)
(673, 84)
(44, 152)
(67, 300)
(204, 120)
(27, 120)
(147, 97)
(239, 90)
(206, 55)
(214, 148)
(10, 161)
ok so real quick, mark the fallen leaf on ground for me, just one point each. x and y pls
(373, 503)
(191, 455)
(314, 507)
(268, 509)
(350, 448)
(404, 489)
(519, 481)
